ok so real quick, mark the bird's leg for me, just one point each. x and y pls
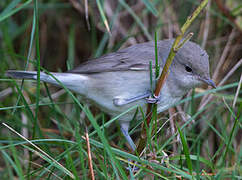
(153, 99)
(123, 101)
(125, 130)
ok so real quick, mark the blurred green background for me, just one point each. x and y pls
(62, 34)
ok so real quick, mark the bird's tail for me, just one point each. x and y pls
(75, 82)
(26, 75)
(21, 74)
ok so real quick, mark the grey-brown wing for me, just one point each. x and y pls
(136, 57)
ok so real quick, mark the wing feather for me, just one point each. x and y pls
(134, 58)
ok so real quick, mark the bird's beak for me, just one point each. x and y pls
(209, 82)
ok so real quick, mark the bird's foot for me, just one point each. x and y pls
(153, 100)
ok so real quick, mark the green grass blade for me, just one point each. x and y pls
(136, 18)
(232, 131)
(71, 48)
(4, 15)
(9, 8)
(97, 128)
(185, 150)
(194, 158)
(157, 65)
(36, 15)
(150, 7)
(15, 166)
(104, 19)
(107, 147)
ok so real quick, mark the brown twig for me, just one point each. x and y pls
(226, 12)
(206, 25)
(224, 54)
(89, 155)
(77, 5)
(86, 15)
(172, 114)
(4, 93)
(222, 59)
(237, 92)
(118, 27)
(209, 98)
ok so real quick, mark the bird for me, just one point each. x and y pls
(117, 81)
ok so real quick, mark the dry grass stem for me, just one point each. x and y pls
(89, 155)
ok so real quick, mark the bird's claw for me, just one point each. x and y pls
(153, 100)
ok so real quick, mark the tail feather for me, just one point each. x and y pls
(21, 74)
(75, 82)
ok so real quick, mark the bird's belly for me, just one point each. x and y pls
(108, 86)
(105, 87)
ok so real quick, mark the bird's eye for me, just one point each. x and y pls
(188, 69)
